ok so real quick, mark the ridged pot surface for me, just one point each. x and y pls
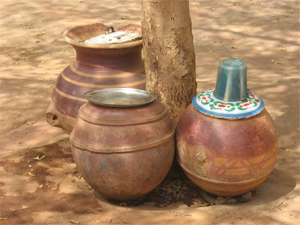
(123, 153)
(96, 66)
(226, 157)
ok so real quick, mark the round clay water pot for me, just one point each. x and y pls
(223, 157)
(97, 65)
(227, 147)
(123, 145)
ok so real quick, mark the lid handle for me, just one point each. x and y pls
(107, 30)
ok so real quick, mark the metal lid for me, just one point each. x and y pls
(120, 97)
(114, 37)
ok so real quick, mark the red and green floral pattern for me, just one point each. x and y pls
(208, 101)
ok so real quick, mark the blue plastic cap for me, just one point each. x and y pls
(231, 82)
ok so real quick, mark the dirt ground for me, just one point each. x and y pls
(265, 34)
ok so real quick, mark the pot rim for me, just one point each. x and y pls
(138, 97)
(73, 42)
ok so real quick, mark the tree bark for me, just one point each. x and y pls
(169, 53)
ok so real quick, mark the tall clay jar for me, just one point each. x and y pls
(123, 142)
(111, 64)
(226, 140)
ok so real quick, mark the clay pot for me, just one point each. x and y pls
(123, 152)
(223, 157)
(225, 152)
(96, 66)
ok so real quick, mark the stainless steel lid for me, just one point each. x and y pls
(114, 37)
(120, 97)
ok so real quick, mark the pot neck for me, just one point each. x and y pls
(112, 58)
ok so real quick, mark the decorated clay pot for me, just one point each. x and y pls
(123, 142)
(226, 140)
(115, 63)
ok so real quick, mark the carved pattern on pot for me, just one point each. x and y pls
(199, 165)
(226, 167)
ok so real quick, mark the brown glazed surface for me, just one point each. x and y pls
(226, 157)
(96, 66)
(123, 153)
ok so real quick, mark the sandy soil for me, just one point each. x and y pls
(265, 34)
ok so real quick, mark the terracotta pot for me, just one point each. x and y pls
(96, 66)
(123, 153)
(223, 157)
(226, 147)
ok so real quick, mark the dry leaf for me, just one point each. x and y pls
(74, 221)
(274, 61)
(233, 47)
(41, 186)
(210, 52)
(62, 50)
(283, 49)
(31, 174)
(287, 150)
(31, 122)
(39, 157)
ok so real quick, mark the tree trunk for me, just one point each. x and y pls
(169, 53)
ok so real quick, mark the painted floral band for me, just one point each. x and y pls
(207, 103)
